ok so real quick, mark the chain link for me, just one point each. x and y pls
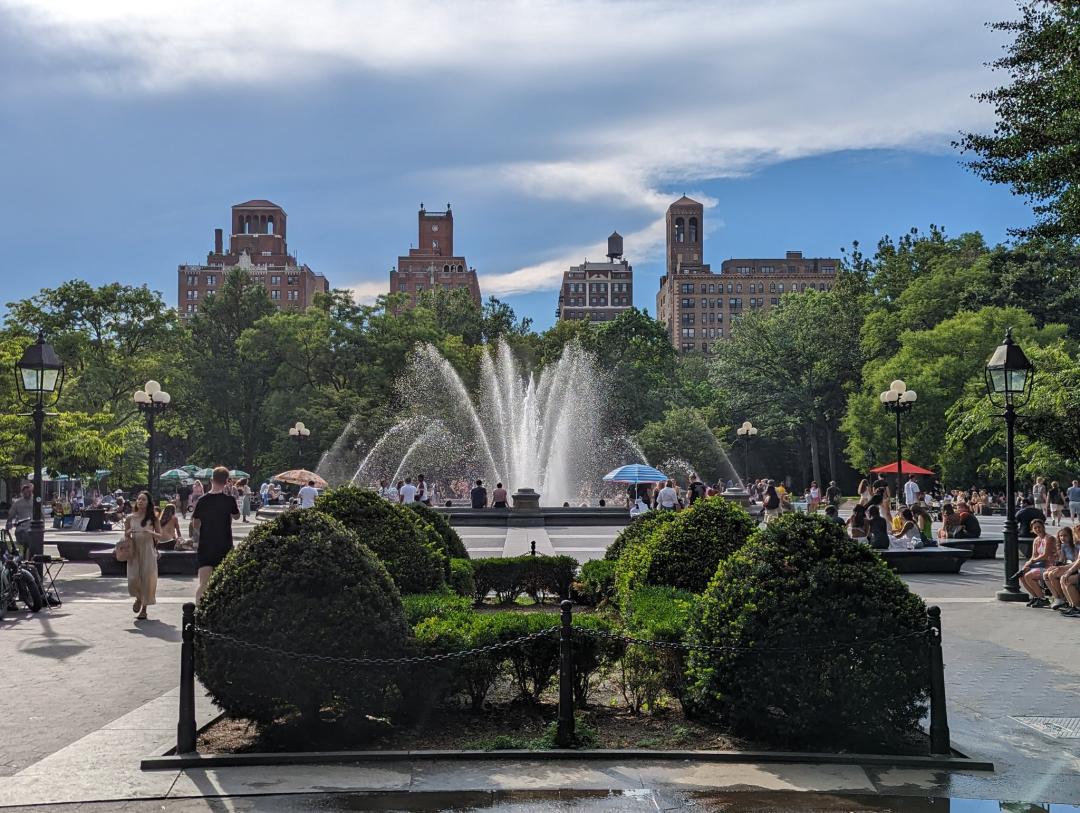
(628, 639)
(333, 659)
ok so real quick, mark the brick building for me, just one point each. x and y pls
(256, 245)
(433, 264)
(598, 291)
(698, 306)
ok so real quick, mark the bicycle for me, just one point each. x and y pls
(19, 580)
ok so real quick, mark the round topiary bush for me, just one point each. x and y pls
(301, 583)
(641, 527)
(829, 645)
(452, 546)
(409, 547)
(685, 551)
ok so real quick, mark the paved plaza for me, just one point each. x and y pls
(92, 692)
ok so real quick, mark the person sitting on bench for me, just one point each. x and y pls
(878, 529)
(1044, 553)
(968, 527)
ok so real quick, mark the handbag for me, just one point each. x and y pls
(125, 548)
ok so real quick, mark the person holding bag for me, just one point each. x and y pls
(139, 547)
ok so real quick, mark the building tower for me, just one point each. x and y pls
(432, 265)
(685, 218)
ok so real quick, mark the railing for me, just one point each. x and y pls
(186, 734)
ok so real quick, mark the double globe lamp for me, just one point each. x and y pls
(746, 431)
(898, 399)
(151, 400)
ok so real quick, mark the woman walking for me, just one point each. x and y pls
(141, 527)
(245, 500)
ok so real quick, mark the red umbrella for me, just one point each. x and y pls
(905, 468)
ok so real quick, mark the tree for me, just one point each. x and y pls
(1033, 145)
(683, 434)
(789, 367)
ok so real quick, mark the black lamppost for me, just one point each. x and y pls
(39, 377)
(301, 433)
(746, 431)
(151, 400)
(898, 399)
(1009, 379)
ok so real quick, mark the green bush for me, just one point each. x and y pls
(595, 584)
(593, 654)
(534, 663)
(473, 675)
(509, 577)
(641, 527)
(410, 548)
(302, 583)
(421, 606)
(452, 546)
(461, 578)
(817, 621)
(684, 552)
(657, 614)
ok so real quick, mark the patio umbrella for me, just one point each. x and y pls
(300, 477)
(635, 473)
(203, 474)
(905, 468)
(178, 476)
(237, 474)
(190, 469)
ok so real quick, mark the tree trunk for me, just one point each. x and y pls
(815, 454)
(830, 440)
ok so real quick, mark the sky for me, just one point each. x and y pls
(128, 129)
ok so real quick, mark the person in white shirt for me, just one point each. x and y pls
(639, 508)
(668, 498)
(911, 490)
(407, 493)
(387, 491)
(308, 494)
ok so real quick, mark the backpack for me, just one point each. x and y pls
(772, 502)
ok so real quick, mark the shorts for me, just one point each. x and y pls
(212, 554)
(1074, 510)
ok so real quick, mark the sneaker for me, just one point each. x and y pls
(1031, 602)
(1041, 604)
(1059, 603)
(1070, 612)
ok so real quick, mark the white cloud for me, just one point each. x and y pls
(636, 99)
(367, 291)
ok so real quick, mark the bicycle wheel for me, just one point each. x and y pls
(29, 592)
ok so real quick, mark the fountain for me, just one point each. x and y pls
(549, 433)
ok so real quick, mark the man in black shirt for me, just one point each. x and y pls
(1025, 515)
(479, 495)
(697, 490)
(212, 521)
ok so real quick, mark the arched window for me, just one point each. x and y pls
(446, 269)
(460, 270)
(247, 224)
(270, 224)
(693, 230)
(680, 229)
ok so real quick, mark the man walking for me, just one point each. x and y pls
(20, 514)
(697, 490)
(911, 491)
(212, 526)
(1073, 495)
(308, 494)
(832, 495)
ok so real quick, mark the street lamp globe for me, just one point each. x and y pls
(1009, 374)
(39, 374)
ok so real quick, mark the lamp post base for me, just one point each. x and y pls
(1005, 594)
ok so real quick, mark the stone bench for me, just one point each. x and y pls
(985, 547)
(79, 550)
(926, 560)
(171, 563)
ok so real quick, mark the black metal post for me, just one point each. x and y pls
(150, 453)
(1011, 589)
(185, 727)
(299, 449)
(532, 547)
(36, 543)
(564, 732)
(746, 461)
(939, 717)
(899, 457)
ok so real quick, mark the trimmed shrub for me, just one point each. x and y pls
(828, 645)
(474, 675)
(409, 547)
(684, 552)
(533, 663)
(595, 584)
(452, 546)
(639, 528)
(301, 583)
(509, 577)
(656, 614)
(461, 578)
(593, 654)
(421, 606)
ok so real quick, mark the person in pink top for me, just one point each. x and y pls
(1044, 555)
(498, 496)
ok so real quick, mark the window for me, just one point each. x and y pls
(419, 289)
(688, 318)
(802, 287)
(781, 288)
(688, 303)
(294, 295)
(275, 294)
(729, 287)
(719, 333)
(766, 269)
(738, 288)
(293, 279)
(265, 253)
(446, 269)
(192, 279)
(743, 269)
(687, 347)
(192, 294)
(275, 279)
(731, 303)
(680, 228)
(704, 347)
(401, 287)
(712, 288)
(774, 301)
(828, 269)
(703, 287)
(191, 308)
(791, 269)
(211, 279)
(693, 230)
(688, 332)
(688, 287)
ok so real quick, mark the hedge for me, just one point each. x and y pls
(595, 583)
(420, 606)
(639, 528)
(684, 552)
(510, 577)
(829, 650)
(410, 548)
(461, 577)
(657, 614)
(302, 582)
(452, 546)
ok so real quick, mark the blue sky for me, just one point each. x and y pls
(128, 129)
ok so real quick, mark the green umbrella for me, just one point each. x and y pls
(204, 474)
(190, 469)
(175, 476)
(237, 474)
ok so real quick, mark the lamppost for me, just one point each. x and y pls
(151, 400)
(746, 431)
(898, 399)
(301, 433)
(1009, 380)
(39, 378)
